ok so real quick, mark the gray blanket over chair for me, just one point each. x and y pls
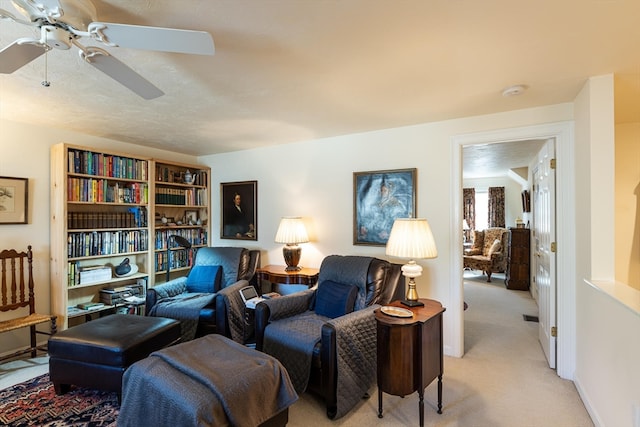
(208, 381)
(293, 339)
(185, 308)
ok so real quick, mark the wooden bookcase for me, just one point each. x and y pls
(104, 207)
(181, 207)
(99, 217)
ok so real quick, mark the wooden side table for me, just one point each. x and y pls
(410, 352)
(278, 275)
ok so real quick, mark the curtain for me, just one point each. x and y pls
(496, 206)
(469, 211)
(469, 206)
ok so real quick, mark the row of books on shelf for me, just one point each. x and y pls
(99, 164)
(177, 259)
(195, 236)
(78, 275)
(94, 243)
(134, 217)
(173, 175)
(102, 190)
(181, 196)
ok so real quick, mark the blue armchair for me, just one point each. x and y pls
(326, 337)
(193, 299)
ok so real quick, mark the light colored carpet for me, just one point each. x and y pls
(503, 380)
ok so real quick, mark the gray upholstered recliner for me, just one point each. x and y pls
(193, 299)
(324, 350)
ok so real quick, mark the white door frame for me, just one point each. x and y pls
(565, 234)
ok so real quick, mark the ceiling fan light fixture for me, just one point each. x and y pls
(55, 37)
(514, 90)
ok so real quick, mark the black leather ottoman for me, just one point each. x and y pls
(95, 354)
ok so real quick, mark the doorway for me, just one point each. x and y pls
(563, 135)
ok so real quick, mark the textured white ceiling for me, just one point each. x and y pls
(293, 70)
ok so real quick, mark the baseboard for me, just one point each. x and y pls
(587, 402)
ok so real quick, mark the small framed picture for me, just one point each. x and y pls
(239, 205)
(191, 217)
(14, 200)
(379, 197)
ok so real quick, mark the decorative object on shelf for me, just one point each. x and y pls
(239, 205)
(188, 178)
(291, 231)
(14, 197)
(411, 238)
(164, 219)
(174, 238)
(378, 199)
(191, 217)
(125, 268)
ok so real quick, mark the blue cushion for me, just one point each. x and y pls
(204, 278)
(335, 299)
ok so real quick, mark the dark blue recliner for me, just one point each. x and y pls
(214, 269)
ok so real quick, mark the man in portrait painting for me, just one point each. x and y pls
(237, 222)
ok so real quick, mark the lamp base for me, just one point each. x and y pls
(410, 303)
(291, 255)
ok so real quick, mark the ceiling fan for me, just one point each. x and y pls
(63, 23)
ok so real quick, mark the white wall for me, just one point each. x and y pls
(24, 152)
(627, 195)
(607, 349)
(315, 179)
(608, 376)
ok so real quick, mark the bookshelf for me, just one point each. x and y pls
(107, 207)
(181, 207)
(99, 217)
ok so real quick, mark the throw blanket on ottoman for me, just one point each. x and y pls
(208, 381)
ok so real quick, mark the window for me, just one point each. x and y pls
(482, 210)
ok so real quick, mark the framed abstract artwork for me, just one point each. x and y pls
(379, 197)
(14, 198)
(239, 206)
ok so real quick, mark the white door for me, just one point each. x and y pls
(544, 242)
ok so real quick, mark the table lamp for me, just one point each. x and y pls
(174, 238)
(411, 238)
(291, 231)
(465, 230)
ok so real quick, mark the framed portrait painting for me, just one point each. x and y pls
(239, 206)
(14, 197)
(379, 197)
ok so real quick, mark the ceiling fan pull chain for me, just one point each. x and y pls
(46, 82)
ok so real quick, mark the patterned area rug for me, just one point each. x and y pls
(34, 403)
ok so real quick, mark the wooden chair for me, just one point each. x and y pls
(16, 292)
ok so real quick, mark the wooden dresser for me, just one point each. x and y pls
(519, 258)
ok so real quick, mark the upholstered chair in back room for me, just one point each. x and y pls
(489, 251)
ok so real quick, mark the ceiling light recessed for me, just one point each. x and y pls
(514, 90)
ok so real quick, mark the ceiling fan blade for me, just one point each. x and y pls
(121, 73)
(19, 54)
(153, 38)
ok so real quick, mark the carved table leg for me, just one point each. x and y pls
(379, 403)
(439, 394)
(421, 407)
